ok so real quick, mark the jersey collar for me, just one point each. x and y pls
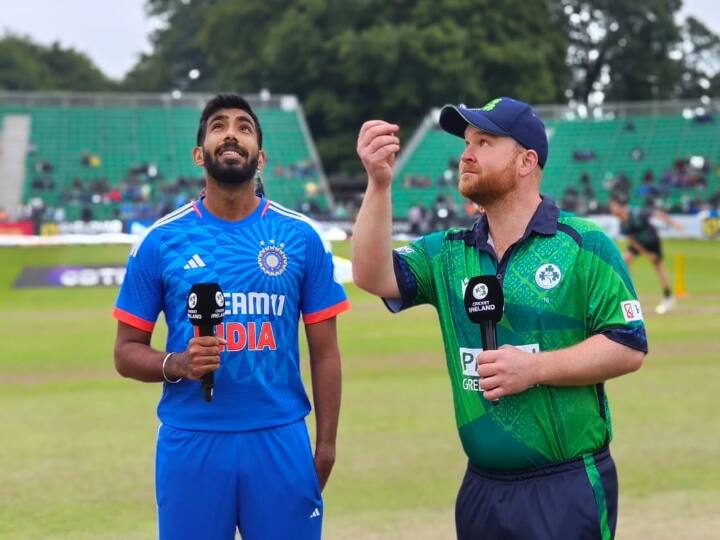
(204, 214)
(544, 221)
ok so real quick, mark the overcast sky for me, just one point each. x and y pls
(115, 38)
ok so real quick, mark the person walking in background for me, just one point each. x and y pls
(643, 239)
(242, 461)
(539, 466)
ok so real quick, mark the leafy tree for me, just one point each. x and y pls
(175, 49)
(352, 60)
(621, 48)
(699, 52)
(25, 65)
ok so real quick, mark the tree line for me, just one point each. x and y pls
(351, 60)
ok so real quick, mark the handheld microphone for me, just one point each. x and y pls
(206, 309)
(484, 303)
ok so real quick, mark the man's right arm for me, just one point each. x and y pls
(372, 261)
(135, 358)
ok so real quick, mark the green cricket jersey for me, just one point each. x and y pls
(563, 282)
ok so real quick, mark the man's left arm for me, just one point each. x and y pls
(666, 218)
(510, 370)
(326, 384)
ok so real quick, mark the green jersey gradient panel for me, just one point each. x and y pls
(563, 282)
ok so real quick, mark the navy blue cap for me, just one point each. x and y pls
(502, 116)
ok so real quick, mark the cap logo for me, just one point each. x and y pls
(490, 105)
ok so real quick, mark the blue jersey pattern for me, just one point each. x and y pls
(273, 267)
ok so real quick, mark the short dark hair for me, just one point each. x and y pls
(226, 101)
(620, 198)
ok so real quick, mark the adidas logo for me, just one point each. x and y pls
(194, 262)
(315, 513)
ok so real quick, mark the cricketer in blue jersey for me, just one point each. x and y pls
(242, 461)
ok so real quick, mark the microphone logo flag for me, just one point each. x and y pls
(480, 291)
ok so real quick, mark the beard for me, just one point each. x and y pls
(485, 188)
(233, 173)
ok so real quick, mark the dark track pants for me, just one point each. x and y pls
(574, 500)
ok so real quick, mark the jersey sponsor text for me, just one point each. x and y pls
(254, 303)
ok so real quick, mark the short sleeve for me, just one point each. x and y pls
(613, 308)
(323, 297)
(140, 299)
(414, 274)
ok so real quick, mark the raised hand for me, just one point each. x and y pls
(377, 147)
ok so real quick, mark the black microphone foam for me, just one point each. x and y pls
(206, 309)
(484, 303)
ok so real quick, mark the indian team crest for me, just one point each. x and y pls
(547, 276)
(272, 258)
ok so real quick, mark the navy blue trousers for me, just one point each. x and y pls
(573, 500)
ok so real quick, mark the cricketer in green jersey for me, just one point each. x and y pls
(538, 460)
(643, 238)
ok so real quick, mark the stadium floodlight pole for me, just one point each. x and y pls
(206, 309)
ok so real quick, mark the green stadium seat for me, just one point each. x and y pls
(126, 136)
(661, 138)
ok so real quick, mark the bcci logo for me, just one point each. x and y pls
(548, 276)
(272, 259)
(480, 291)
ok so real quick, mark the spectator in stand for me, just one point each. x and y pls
(37, 212)
(449, 176)
(43, 166)
(587, 192)
(416, 181)
(679, 173)
(417, 219)
(444, 213)
(714, 199)
(570, 201)
(88, 159)
(473, 212)
(647, 189)
(43, 183)
(584, 155)
(341, 212)
(704, 118)
(622, 184)
(637, 154)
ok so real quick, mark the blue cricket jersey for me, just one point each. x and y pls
(272, 266)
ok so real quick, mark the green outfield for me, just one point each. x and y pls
(77, 445)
